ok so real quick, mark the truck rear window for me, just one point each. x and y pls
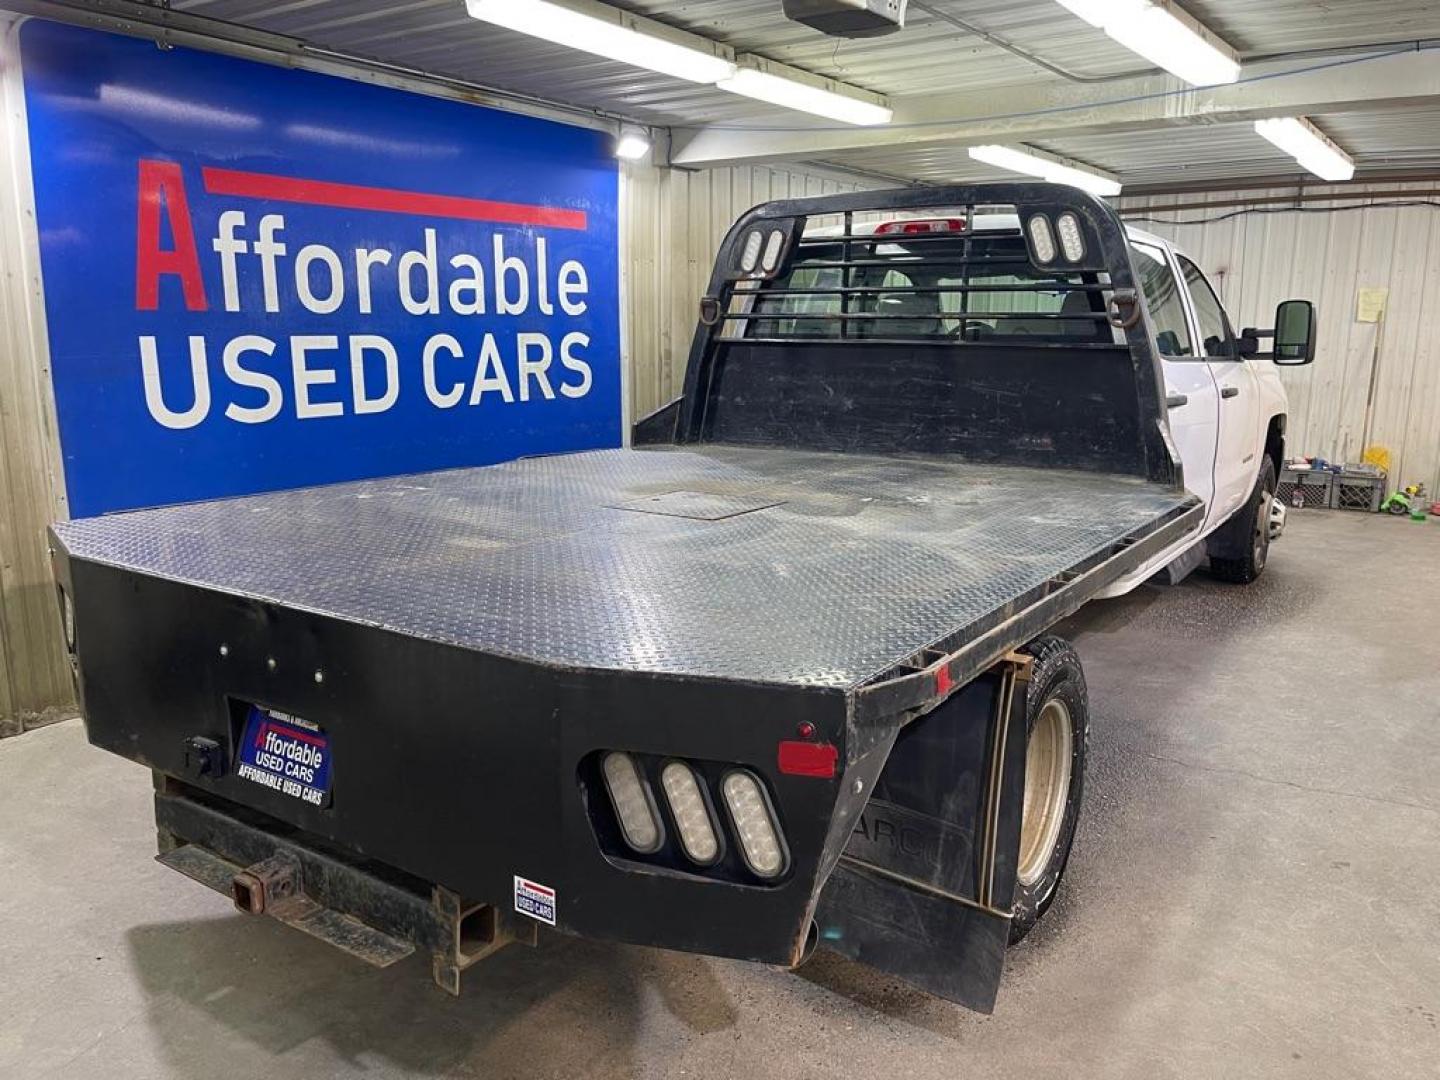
(966, 288)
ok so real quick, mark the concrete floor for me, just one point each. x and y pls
(1255, 892)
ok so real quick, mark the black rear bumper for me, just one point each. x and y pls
(922, 888)
(462, 769)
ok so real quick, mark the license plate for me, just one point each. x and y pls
(285, 754)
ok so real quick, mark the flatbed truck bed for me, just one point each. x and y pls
(762, 565)
(774, 677)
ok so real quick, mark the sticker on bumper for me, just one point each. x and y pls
(535, 900)
(286, 754)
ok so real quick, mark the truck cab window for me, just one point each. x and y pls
(976, 287)
(901, 314)
(808, 314)
(1215, 331)
(1162, 297)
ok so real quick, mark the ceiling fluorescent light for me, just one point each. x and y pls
(1308, 145)
(1166, 35)
(763, 80)
(1092, 11)
(611, 33)
(1049, 167)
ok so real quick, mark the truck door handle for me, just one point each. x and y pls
(1229, 391)
(1174, 401)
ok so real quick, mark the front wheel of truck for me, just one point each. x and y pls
(1240, 548)
(1057, 726)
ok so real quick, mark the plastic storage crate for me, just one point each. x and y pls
(1358, 490)
(1313, 488)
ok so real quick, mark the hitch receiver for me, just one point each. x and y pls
(264, 886)
(379, 915)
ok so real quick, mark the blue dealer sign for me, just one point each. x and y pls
(258, 278)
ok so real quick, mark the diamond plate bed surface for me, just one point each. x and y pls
(861, 562)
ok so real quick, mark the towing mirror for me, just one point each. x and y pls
(1294, 335)
(1295, 332)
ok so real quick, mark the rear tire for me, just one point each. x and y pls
(1057, 729)
(1248, 532)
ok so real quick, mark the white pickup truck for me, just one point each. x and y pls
(1227, 412)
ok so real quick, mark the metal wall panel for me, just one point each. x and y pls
(34, 675)
(1258, 255)
(672, 222)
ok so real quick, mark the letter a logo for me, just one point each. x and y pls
(162, 184)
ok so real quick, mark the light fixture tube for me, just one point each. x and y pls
(609, 32)
(1166, 35)
(791, 93)
(1047, 167)
(1308, 145)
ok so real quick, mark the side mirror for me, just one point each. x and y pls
(1295, 332)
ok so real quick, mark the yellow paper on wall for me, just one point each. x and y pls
(1370, 305)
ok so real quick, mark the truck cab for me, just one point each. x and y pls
(1227, 412)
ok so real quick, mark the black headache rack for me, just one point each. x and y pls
(1001, 323)
(767, 597)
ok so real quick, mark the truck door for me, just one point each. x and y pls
(1189, 383)
(1237, 455)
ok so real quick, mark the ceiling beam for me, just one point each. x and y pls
(1299, 180)
(1045, 110)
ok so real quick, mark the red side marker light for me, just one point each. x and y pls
(808, 759)
(943, 681)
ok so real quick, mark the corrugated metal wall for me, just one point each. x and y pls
(1327, 253)
(34, 675)
(672, 222)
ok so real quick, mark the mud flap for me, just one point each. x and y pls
(924, 888)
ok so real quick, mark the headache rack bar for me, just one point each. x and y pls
(941, 258)
(926, 290)
(910, 260)
(871, 340)
(822, 239)
(959, 316)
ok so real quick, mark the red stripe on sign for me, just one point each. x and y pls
(526, 884)
(807, 759)
(251, 185)
(303, 736)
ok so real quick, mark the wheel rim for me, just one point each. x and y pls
(1047, 788)
(1262, 528)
